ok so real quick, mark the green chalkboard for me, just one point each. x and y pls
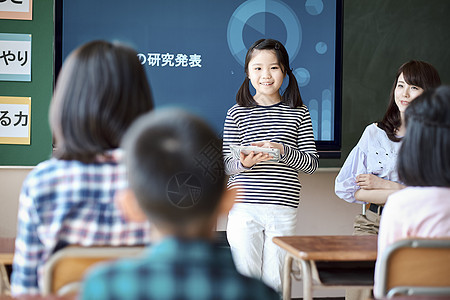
(380, 35)
(39, 89)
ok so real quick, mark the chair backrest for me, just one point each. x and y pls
(64, 271)
(4, 281)
(414, 267)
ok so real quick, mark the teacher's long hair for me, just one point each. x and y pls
(418, 73)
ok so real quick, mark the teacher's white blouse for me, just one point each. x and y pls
(374, 154)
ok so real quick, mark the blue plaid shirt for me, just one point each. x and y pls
(175, 269)
(69, 202)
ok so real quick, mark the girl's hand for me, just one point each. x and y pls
(267, 144)
(373, 182)
(252, 159)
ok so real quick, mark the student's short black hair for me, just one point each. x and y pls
(175, 165)
(424, 156)
(291, 95)
(101, 89)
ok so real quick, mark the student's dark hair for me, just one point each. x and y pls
(175, 164)
(291, 95)
(418, 73)
(424, 156)
(102, 88)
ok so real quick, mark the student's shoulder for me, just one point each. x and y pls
(237, 108)
(411, 198)
(44, 170)
(97, 282)
(52, 164)
(236, 111)
(302, 107)
(420, 193)
(51, 170)
(256, 289)
(299, 113)
(299, 110)
(110, 271)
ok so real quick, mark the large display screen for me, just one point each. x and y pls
(194, 51)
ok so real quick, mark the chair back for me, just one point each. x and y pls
(64, 271)
(414, 267)
(5, 288)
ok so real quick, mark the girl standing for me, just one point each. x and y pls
(369, 173)
(267, 191)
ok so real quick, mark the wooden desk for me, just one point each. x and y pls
(6, 250)
(307, 250)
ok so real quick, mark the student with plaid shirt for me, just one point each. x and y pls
(178, 183)
(69, 199)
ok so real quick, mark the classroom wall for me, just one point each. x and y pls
(11, 179)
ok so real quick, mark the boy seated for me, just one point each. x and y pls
(177, 181)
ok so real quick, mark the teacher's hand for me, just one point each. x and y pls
(372, 182)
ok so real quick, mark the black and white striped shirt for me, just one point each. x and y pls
(270, 182)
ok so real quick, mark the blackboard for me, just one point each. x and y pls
(39, 89)
(378, 37)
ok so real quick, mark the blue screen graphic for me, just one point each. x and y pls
(194, 51)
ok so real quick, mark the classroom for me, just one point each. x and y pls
(377, 37)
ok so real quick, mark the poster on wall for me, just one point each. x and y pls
(16, 9)
(15, 57)
(15, 120)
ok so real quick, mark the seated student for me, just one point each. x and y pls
(69, 199)
(178, 182)
(423, 208)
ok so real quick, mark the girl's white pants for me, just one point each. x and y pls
(250, 230)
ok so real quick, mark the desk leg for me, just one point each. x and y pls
(307, 280)
(287, 277)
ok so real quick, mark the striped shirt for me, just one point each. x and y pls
(69, 202)
(270, 182)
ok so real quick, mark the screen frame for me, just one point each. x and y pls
(326, 149)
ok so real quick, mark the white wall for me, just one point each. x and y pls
(11, 179)
(320, 211)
